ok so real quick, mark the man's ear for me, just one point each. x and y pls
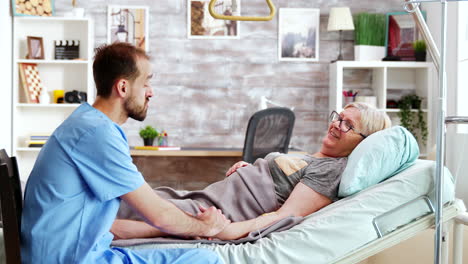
(121, 87)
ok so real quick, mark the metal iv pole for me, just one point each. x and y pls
(439, 62)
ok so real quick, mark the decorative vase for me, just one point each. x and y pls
(78, 12)
(420, 55)
(369, 53)
(148, 141)
(44, 97)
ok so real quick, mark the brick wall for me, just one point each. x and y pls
(206, 90)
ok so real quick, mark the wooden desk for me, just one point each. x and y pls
(190, 152)
(188, 168)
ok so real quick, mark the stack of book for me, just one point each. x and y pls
(157, 148)
(37, 141)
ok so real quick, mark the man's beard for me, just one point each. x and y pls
(135, 111)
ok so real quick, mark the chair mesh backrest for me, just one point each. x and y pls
(268, 131)
(11, 206)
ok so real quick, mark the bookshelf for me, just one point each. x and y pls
(389, 80)
(42, 119)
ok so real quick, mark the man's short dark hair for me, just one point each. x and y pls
(113, 62)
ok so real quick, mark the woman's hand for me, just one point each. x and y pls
(230, 232)
(236, 166)
(214, 220)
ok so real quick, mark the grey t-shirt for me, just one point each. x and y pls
(323, 175)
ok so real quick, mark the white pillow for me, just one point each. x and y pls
(378, 157)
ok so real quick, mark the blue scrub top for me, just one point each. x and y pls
(72, 194)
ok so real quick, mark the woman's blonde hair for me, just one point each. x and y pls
(372, 120)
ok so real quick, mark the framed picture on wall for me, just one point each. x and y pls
(401, 33)
(35, 48)
(128, 24)
(33, 7)
(201, 25)
(298, 34)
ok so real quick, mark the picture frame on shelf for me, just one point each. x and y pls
(298, 34)
(201, 25)
(401, 33)
(30, 80)
(35, 48)
(33, 7)
(128, 24)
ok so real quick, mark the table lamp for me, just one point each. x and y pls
(340, 19)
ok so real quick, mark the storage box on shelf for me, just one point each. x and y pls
(385, 80)
(42, 119)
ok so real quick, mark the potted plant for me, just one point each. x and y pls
(413, 120)
(369, 36)
(419, 47)
(148, 134)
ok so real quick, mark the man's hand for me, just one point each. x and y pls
(214, 220)
(236, 166)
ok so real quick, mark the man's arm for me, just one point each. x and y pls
(166, 217)
(127, 229)
(301, 202)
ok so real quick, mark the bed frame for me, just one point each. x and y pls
(454, 213)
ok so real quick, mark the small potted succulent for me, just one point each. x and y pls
(419, 47)
(148, 134)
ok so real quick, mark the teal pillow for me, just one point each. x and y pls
(378, 157)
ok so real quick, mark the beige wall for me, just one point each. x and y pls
(417, 250)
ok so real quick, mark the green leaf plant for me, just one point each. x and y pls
(413, 121)
(148, 132)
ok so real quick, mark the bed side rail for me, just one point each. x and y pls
(414, 209)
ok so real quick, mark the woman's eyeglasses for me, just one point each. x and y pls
(344, 125)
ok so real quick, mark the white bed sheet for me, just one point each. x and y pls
(337, 229)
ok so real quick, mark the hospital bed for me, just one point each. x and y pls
(350, 229)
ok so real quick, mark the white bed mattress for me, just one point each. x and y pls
(337, 229)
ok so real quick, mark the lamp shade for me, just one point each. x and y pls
(340, 19)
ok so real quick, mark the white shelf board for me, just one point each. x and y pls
(47, 105)
(26, 149)
(396, 110)
(32, 18)
(382, 64)
(84, 62)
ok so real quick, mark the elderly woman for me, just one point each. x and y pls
(256, 195)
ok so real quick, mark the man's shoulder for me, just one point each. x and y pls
(86, 121)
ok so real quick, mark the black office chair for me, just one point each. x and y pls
(11, 207)
(268, 131)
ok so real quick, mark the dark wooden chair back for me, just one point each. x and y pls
(11, 207)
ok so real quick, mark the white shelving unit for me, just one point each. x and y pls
(42, 119)
(389, 80)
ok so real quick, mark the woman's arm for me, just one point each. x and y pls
(301, 202)
(241, 229)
